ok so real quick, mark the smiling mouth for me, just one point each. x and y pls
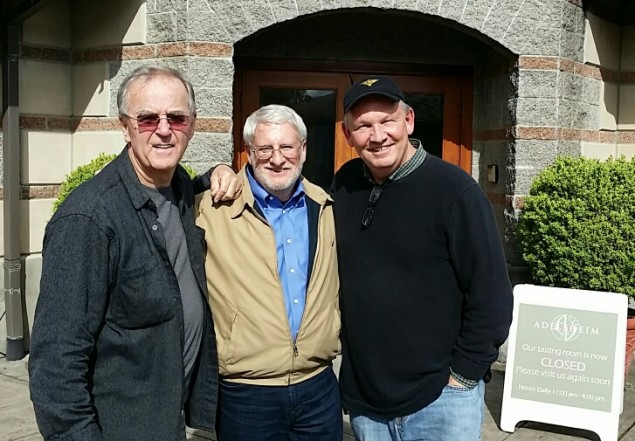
(378, 149)
(163, 146)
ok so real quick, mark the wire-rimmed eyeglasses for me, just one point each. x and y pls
(367, 217)
(148, 122)
(289, 151)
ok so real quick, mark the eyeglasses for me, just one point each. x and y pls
(367, 217)
(149, 122)
(288, 151)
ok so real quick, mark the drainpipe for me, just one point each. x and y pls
(11, 170)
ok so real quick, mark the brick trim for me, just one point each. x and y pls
(28, 192)
(46, 54)
(491, 135)
(540, 133)
(517, 202)
(136, 52)
(538, 63)
(496, 198)
(75, 124)
(575, 67)
(627, 78)
(214, 125)
(224, 125)
(569, 134)
(626, 137)
(39, 191)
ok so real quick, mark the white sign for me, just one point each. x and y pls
(565, 361)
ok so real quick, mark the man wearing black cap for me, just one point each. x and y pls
(425, 296)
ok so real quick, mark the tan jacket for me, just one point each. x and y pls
(245, 294)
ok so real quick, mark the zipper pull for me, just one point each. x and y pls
(295, 349)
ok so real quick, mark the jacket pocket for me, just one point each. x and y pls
(141, 298)
(200, 235)
(231, 341)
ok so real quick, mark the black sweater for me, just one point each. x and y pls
(425, 287)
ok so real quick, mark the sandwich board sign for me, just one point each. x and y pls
(565, 361)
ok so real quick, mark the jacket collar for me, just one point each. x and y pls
(138, 195)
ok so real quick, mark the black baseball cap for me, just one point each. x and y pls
(377, 85)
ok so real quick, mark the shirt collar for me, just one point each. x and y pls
(406, 168)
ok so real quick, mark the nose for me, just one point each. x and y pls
(277, 158)
(163, 129)
(377, 134)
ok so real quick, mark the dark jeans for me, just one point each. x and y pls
(308, 411)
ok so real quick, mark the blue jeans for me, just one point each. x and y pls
(457, 415)
(308, 411)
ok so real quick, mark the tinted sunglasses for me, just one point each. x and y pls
(149, 122)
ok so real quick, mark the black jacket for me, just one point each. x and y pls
(106, 357)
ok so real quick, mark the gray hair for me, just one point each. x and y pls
(273, 114)
(146, 73)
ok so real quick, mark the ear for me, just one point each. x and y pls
(250, 157)
(125, 128)
(346, 132)
(192, 127)
(303, 152)
(410, 120)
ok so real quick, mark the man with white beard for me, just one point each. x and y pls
(273, 290)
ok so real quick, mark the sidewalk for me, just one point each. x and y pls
(17, 422)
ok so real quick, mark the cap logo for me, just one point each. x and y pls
(368, 83)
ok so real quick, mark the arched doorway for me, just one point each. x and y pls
(434, 64)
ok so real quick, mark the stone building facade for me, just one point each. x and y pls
(504, 86)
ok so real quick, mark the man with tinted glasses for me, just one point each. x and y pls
(425, 296)
(273, 287)
(123, 342)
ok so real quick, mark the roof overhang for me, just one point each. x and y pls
(620, 12)
(16, 11)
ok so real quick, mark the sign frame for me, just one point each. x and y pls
(603, 423)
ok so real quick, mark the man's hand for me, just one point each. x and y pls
(225, 184)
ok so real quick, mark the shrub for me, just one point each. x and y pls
(84, 172)
(577, 228)
(79, 175)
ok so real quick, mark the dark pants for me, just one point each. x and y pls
(308, 411)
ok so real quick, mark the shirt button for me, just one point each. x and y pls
(292, 270)
(295, 301)
(284, 211)
(288, 240)
(154, 228)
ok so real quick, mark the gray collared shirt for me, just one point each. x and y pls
(405, 169)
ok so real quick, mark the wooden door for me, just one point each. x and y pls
(442, 106)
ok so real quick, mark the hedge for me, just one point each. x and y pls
(577, 227)
(83, 173)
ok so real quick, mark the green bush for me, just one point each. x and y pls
(79, 175)
(84, 172)
(577, 228)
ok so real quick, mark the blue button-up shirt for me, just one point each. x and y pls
(290, 226)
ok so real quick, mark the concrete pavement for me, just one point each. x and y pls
(17, 421)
